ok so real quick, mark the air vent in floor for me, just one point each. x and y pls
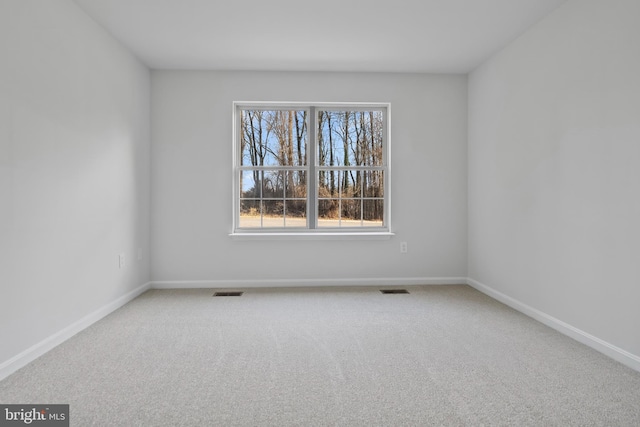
(228, 294)
(394, 291)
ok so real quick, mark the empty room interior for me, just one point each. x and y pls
(412, 212)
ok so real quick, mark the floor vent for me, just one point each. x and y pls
(394, 291)
(228, 294)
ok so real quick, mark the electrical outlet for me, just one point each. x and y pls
(403, 247)
(121, 261)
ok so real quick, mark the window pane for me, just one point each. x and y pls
(328, 213)
(351, 212)
(372, 212)
(373, 184)
(295, 213)
(350, 184)
(328, 183)
(273, 138)
(350, 138)
(248, 188)
(273, 213)
(250, 214)
(273, 184)
(296, 185)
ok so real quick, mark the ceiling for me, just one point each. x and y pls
(437, 36)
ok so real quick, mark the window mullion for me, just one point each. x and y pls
(312, 179)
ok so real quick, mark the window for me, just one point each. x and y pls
(311, 168)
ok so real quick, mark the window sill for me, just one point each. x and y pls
(374, 235)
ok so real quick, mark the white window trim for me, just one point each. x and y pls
(345, 233)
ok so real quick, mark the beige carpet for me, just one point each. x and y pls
(350, 357)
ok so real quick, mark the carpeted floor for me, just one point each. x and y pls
(441, 355)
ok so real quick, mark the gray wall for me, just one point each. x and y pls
(554, 170)
(74, 170)
(192, 172)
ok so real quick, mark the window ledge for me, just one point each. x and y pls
(374, 235)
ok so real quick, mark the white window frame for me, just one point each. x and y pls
(312, 168)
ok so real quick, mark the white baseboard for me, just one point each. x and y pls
(616, 353)
(301, 283)
(37, 350)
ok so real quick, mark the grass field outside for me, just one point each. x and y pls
(255, 221)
